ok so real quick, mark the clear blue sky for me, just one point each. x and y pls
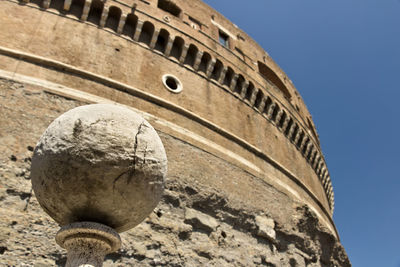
(344, 58)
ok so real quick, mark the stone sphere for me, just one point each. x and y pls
(101, 163)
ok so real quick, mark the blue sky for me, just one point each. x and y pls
(344, 58)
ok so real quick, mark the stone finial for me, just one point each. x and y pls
(102, 164)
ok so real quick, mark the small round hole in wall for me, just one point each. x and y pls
(172, 83)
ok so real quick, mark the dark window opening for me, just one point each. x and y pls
(191, 55)
(130, 25)
(259, 98)
(305, 146)
(223, 39)
(171, 83)
(162, 41)
(271, 77)
(76, 8)
(239, 84)
(282, 120)
(57, 5)
(289, 126)
(147, 33)
(229, 77)
(296, 129)
(37, 2)
(268, 103)
(218, 67)
(177, 48)
(169, 7)
(275, 113)
(313, 157)
(205, 61)
(249, 91)
(114, 15)
(300, 139)
(310, 152)
(96, 9)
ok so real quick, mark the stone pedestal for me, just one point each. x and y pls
(87, 243)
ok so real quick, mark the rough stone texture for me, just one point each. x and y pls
(266, 227)
(100, 163)
(166, 238)
(87, 243)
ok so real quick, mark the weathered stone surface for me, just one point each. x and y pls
(87, 243)
(265, 227)
(200, 220)
(100, 163)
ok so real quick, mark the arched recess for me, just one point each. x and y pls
(114, 15)
(259, 98)
(249, 91)
(282, 120)
(289, 125)
(191, 55)
(275, 112)
(57, 5)
(76, 8)
(271, 76)
(218, 67)
(239, 84)
(162, 40)
(228, 77)
(96, 9)
(130, 25)
(205, 61)
(147, 33)
(177, 47)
